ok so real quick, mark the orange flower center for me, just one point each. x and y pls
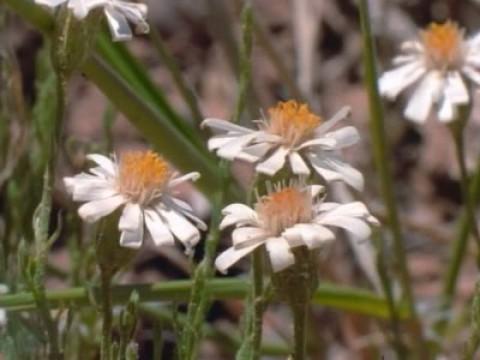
(292, 121)
(142, 175)
(283, 209)
(443, 44)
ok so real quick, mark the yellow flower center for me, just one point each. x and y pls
(292, 121)
(283, 209)
(443, 44)
(142, 175)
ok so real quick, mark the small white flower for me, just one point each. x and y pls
(287, 217)
(291, 133)
(117, 12)
(141, 182)
(438, 63)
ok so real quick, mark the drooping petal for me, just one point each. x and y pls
(392, 82)
(344, 137)
(422, 99)
(332, 168)
(231, 256)
(311, 235)
(356, 226)
(159, 232)
(118, 24)
(298, 165)
(131, 218)
(181, 228)
(94, 210)
(279, 253)
(274, 163)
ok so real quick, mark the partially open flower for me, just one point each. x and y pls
(439, 62)
(289, 216)
(117, 12)
(291, 132)
(141, 182)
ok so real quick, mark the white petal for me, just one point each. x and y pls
(447, 111)
(392, 82)
(224, 126)
(135, 13)
(279, 253)
(253, 153)
(104, 162)
(356, 226)
(94, 210)
(132, 238)
(181, 228)
(231, 256)
(193, 176)
(342, 114)
(50, 3)
(131, 218)
(322, 142)
(219, 141)
(238, 214)
(159, 232)
(233, 148)
(93, 190)
(344, 137)
(118, 24)
(455, 89)
(421, 101)
(332, 169)
(472, 74)
(247, 236)
(311, 235)
(298, 165)
(274, 163)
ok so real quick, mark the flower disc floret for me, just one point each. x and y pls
(292, 121)
(283, 209)
(142, 176)
(443, 45)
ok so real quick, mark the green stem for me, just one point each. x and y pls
(460, 244)
(300, 316)
(380, 152)
(397, 341)
(258, 303)
(180, 82)
(106, 295)
(457, 134)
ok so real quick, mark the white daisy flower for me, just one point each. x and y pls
(117, 12)
(141, 182)
(291, 132)
(287, 217)
(439, 63)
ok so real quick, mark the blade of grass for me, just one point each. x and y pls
(338, 297)
(380, 152)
